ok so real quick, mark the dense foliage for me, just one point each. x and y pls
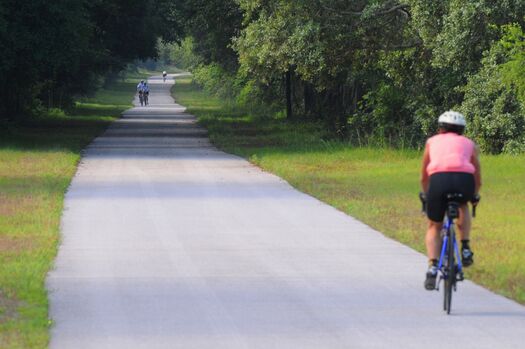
(52, 51)
(374, 70)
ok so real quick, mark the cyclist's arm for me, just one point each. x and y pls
(477, 175)
(424, 174)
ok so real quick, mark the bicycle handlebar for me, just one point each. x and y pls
(423, 199)
(475, 201)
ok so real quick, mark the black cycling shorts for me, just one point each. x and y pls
(444, 183)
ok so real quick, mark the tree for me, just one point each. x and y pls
(327, 44)
(212, 25)
(53, 51)
(493, 101)
(513, 71)
(379, 68)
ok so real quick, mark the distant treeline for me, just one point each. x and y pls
(54, 50)
(375, 71)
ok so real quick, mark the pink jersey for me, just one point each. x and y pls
(450, 152)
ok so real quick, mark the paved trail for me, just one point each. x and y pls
(170, 243)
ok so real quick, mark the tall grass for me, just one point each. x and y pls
(378, 185)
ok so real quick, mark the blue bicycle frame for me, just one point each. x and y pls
(446, 227)
(452, 272)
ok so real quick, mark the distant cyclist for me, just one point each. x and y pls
(164, 75)
(140, 91)
(450, 164)
(140, 85)
(145, 93)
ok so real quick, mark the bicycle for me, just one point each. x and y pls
(146, 98)
(141, 98)
(450, 267)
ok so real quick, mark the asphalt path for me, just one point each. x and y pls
(168, 242)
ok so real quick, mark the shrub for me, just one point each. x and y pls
(495, 115)
(383, 119)
(215, 80)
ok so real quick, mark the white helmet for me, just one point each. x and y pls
(452, 118)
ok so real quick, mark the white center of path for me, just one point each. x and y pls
(169, 243)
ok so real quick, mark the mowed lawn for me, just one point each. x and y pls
(377, 186)
(38, 159)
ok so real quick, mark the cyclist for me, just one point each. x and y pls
(164, 75)
(450, 164)
(140, 86)
(145, 92)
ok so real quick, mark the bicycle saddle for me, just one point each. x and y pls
(453, 205)
(454, 196)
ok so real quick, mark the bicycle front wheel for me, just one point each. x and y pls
(450, 279)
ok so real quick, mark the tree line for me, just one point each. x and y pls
(52, 51)
(370, 70)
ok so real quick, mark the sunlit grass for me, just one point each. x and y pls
(117, 97)
(378, 186)
(38, 158)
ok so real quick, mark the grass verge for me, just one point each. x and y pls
(38, 158)
(377, 186)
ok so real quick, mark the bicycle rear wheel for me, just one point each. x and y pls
(445, 276)
(450, 279)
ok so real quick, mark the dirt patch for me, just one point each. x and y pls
(10, 206)
(9, 244)
(8, 307)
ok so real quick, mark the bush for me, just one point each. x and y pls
(383, 119)
(215, 80)
(248, 94)
(495, 115)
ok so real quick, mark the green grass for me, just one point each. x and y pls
(108, 101)
(38, 158)
(378, 186)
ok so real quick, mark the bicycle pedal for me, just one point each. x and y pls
(460, 277)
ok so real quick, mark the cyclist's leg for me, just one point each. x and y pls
(433, 243)
(464, 225)
(464, 183)
(436, 207)
(435, 212)
(433, 239)
(464, 222)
